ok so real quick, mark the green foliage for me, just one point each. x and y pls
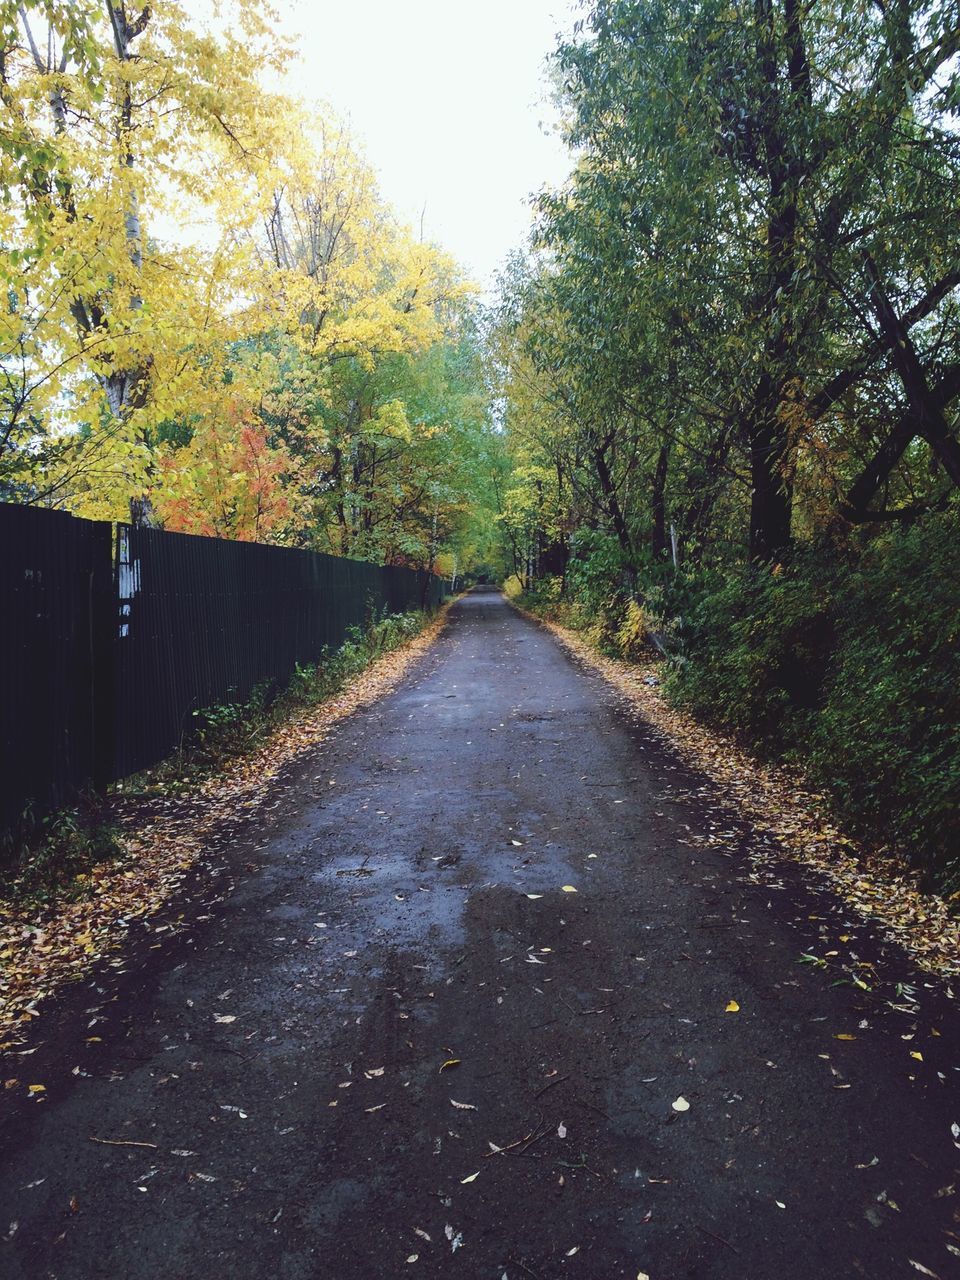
(850, 668)
(753, 652)
(53, 857)
(596, 571)
(887, 743)
(731, 356)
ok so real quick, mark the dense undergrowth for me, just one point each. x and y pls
(843, 663)
(53, 855)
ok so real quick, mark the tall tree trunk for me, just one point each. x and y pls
(609, 490)
(770, 446)
(658, 531)
(126, 389)
(771, 498)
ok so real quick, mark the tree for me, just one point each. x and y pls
(115, 114)
(745, 303)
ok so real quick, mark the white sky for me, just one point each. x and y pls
(449, 99)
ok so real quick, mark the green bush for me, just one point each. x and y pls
(887, 744)
(53, 856)
(754, 651)
(598, 572)
(849, 667)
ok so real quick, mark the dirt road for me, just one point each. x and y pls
(275, 1060)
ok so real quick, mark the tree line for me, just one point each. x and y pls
(212, 316)
(729, 377)
(740, 318)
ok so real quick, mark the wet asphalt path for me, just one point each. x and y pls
(281, 1048)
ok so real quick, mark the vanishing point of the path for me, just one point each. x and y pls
(265, 1077)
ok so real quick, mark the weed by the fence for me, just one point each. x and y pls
(56, 855)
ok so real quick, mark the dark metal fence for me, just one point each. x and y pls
(109, 642)
(55, 576)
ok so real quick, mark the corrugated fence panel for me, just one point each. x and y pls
(55, 578)
(204, 622)
(109, 645)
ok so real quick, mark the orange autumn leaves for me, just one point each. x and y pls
(228, 482)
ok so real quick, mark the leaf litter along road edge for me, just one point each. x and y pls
(880, 888)
(41, 953)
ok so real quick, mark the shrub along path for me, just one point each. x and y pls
(471, 1001)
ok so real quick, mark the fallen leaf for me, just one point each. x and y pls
(928, 927)
(924, 1271)
(843, 1035)
(37, 1088)
(462, 1106)
(561, 1130)
(681, 1104)
(379, 1107)
(224, 1017)
(413, 1257)
(568, 888)
(914, 1053)
(534, 896)
(571, 1252)
(732, 1007)
(471, 1178)
(450, 1062)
